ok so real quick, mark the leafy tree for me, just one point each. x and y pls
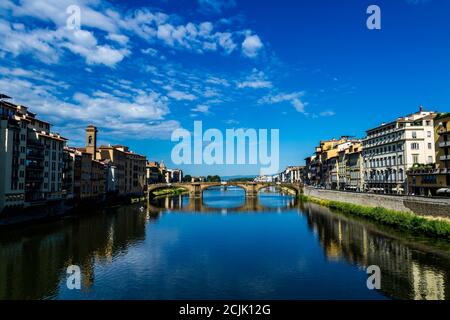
(213, 179)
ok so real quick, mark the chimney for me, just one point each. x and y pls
(421, 109)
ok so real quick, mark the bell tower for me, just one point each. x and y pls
(91, 141)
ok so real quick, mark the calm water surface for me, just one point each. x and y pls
(224, 247)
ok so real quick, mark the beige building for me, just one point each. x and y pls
(31, 158)
(434, 179)
(350, 166)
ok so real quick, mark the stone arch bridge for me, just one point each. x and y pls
(196, 189)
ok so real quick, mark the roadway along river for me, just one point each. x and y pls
(225, 247)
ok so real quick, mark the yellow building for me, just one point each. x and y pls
(434, 179)
(327, 154)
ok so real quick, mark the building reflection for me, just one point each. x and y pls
(34, 264)
(406, 271)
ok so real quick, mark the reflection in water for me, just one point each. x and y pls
(33, 261)
(186, 248)
(225, 200)
(407, 271)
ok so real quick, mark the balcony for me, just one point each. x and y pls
(444, 144)
(35, 166)
(35, 144)
(35, 155)
(444, 158)
(33, 178)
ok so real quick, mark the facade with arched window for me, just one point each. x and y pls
(391, 149)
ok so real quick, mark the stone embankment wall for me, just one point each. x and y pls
(437, 207)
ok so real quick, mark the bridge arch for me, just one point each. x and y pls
(161, 186)
(293, 187)
(219, 184)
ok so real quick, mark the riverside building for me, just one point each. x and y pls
(31, 158)
(392, 148)
(434, 179)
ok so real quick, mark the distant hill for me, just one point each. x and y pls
(238, 178)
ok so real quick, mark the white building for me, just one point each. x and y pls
(390, 149)
(173, 175)
(293, 174)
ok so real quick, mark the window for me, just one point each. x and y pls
(429, 146)
(414, 146)
(430, 159)
(414, 135)
(429, 134)
(415, 158)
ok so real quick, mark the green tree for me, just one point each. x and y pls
(213, 179)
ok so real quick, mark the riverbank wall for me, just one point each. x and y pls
(19, 217)
(434, 207)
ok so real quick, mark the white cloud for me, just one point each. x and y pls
(99, 17)
(48, 45)
(293, 98)
(93, 13)
(327, 113)
(138, 115)
(257, 80)
(84, 43)
(119, 38)
(251, 45)
(38, 42)
(218, 81)
(179, 95)
(201, 109)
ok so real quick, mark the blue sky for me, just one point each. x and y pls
(140, 69)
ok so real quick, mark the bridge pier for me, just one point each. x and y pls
(251, 190)
(196, 191)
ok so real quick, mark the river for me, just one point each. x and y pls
(222, 247)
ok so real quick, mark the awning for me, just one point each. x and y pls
(443, 191)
